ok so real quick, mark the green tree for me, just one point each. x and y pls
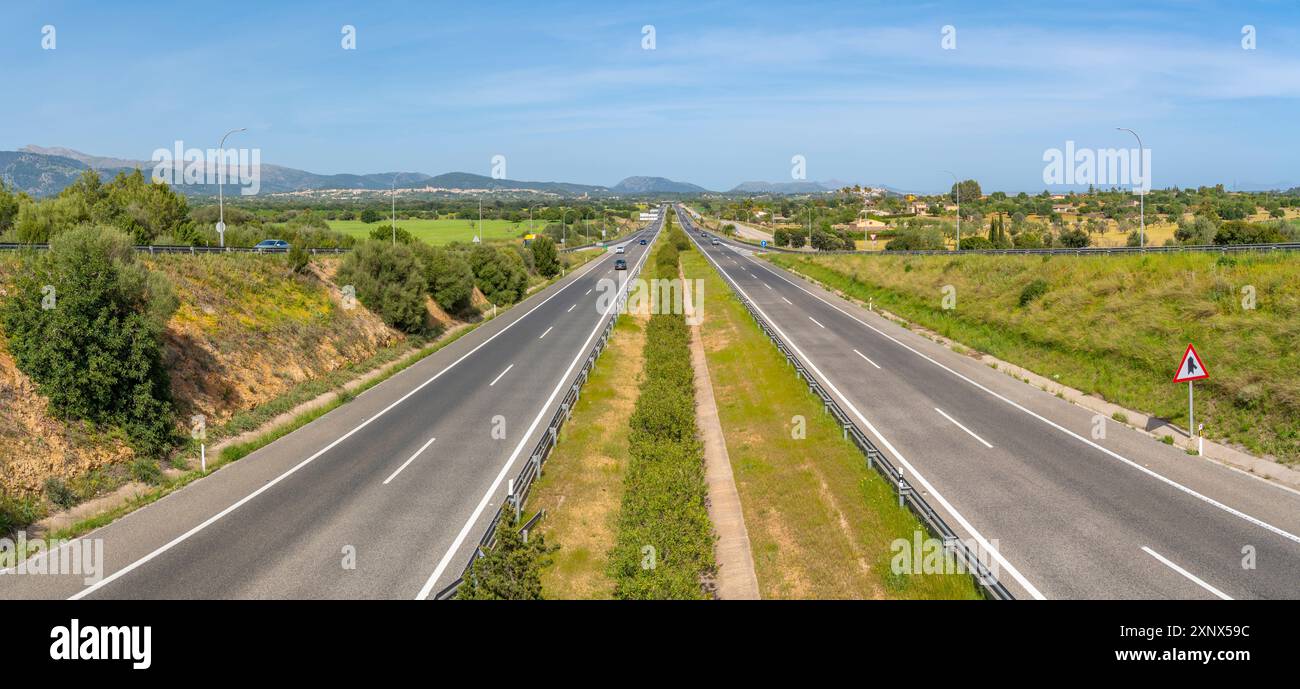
(389, 281)
(450, 279)
(499, 275)
(370, 215)
(86, 323)
(545, 258)
(511, 569)
(384, 233)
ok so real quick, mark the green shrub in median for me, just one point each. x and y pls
(664, 545)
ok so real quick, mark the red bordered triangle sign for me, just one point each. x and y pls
(1190, 368)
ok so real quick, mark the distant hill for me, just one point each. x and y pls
(44, 171)
(801, 187)
(655, 185)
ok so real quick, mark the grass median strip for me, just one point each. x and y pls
(582, 486)
(821, 524)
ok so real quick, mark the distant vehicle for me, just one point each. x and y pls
(642, 242)
(272, 245)
(619, 249)
(714, 242)
(620, 264)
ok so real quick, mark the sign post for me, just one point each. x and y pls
(1191, 369)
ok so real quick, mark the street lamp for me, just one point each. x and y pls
(392, 195)
(1142, 204)
(957, 185)
(564, 227)
(221, 178)
(532, 229)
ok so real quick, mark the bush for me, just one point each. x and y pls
(511, 569)
(545, 257)
(1075, 239)
(975, 243)
(664, 498)
(299, 258)
(59, 493)
(384, 233)
(450, 280)
(16, 513)
(94, 344)
(1242, 232)
(1032, 291)
(389, 281)
(917, 239)
(500, 275)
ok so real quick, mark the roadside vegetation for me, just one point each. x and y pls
(821, 524)
(582, 487)
(664, 543)
(1115, 326)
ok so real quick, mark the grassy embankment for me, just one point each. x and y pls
(1115, 326)
(821, 523)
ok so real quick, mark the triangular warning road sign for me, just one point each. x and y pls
(1190, 368)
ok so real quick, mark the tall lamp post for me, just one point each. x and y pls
(956, 184)
(221, 195)
(392, 196)
(1142, 203)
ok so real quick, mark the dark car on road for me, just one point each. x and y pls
(642, 242)
(620, 264)
(272, 245)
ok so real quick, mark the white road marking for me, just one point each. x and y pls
(968, 431)
(925, 484)
(491, 491)
(548, 330)
(267, 486)
(814, 320)
(494, 380)
(407, 462)
(787, 301)
(767, 285)
(572, 308)
(1195, 580)
(864, 356)
(588, 292)
(1108, 452)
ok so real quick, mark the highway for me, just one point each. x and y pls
(384, 497)
(1017, 470)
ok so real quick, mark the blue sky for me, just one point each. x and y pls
(863, 90)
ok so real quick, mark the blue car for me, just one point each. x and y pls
(642, 242)
(272, 245)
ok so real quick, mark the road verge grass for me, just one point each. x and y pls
(821, 524)
(1114, 326)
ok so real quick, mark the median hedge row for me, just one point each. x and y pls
(664, 546)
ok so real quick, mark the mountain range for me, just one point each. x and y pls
(45, 171)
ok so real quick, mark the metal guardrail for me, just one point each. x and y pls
(907, 495)
(519, 487)
(181, 249)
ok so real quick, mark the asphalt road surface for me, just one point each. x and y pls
(1018, 470)
(384, 497)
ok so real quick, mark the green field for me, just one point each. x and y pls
(446, 231)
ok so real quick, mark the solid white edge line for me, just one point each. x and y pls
(864, 356)
(1114, 455)
(408, 462)
(494, 380)
(968, 431)
(1195, 580)
(984, 543)
(265, 487)
(505, 469)
(548, 331)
